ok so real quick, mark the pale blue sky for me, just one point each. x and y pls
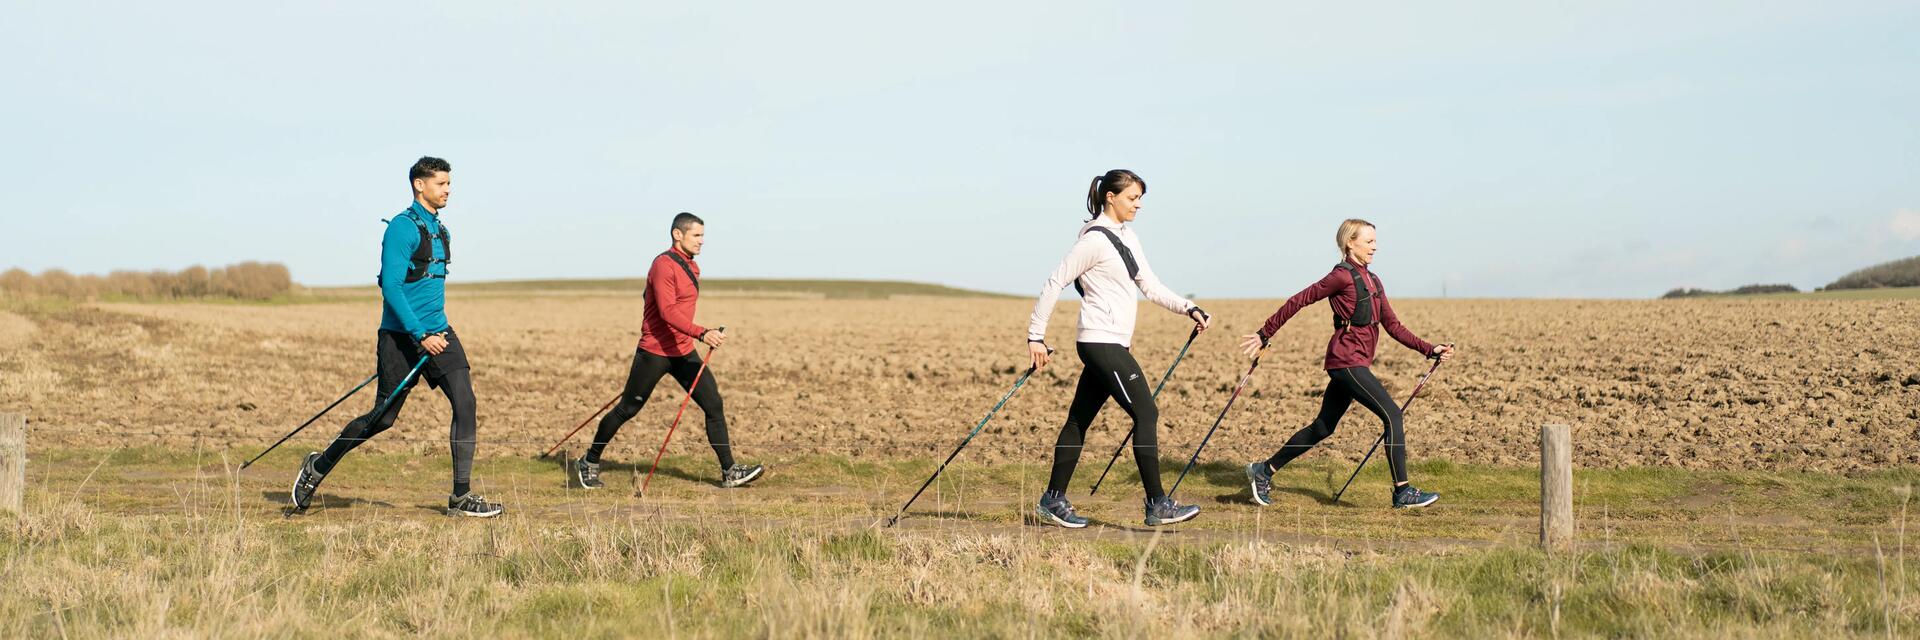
(1507, 149)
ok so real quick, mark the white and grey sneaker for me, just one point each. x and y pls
(740, 474)
(472, 505)
(307, 482)
(586, 475)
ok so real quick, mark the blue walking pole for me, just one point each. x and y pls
(398, 390)
(377, 412)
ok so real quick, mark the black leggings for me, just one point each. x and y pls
(646, 372)
(1345, 387)
(448, 372)
(1110, 373)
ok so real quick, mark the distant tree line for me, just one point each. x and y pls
(1899, 273)
(245, 281)
(1752, 289)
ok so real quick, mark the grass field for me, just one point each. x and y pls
(147, 542)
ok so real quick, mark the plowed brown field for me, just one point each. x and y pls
(1767, 384)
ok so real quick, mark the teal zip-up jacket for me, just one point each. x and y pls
(420, 307)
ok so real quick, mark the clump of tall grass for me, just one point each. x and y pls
(243, 281)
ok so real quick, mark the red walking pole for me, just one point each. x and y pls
(583, 424)
(676, 417)
(1216, 421)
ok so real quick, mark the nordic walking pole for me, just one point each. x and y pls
(377, 410)
(1156, 396)
(1216, 421)
(363, 384)
(583, 424)
(676, 415)
(963, 443)
(1383, 435)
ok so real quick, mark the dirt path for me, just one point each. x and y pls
(808, 495)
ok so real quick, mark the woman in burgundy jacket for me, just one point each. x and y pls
(1360, 311)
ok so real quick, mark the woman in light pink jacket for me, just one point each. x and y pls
(1108, 267)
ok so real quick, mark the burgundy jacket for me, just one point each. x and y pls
(1351, 346)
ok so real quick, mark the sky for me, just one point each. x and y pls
(1504, 149)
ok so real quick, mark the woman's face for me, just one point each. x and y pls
(1360, 249)
(1125, 206)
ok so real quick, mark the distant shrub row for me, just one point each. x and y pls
(245, 281)
(1748, 290)
(1899, 273)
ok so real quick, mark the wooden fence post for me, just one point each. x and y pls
(13, 461)
(1556, 487)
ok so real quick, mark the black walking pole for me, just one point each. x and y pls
(1216, 422)
(1156, 396)
(363, 384)
(1383, 435)
(963, 443)
(376, 412)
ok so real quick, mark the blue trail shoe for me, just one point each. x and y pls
(1409, 497)
(1261, 480)
(1054, 509)
(1163, 510)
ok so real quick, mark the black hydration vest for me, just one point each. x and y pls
(1362, 301)
(417, 266)
(684, 267)
(1126, 255)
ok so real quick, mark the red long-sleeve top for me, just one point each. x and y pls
(666, 327)
(1351, 346)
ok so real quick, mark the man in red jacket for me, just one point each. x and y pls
(667, 340)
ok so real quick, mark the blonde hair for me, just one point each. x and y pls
(1349, 230)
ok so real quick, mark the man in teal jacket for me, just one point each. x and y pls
(413, 324)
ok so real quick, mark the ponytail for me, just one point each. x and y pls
(1110, 183)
